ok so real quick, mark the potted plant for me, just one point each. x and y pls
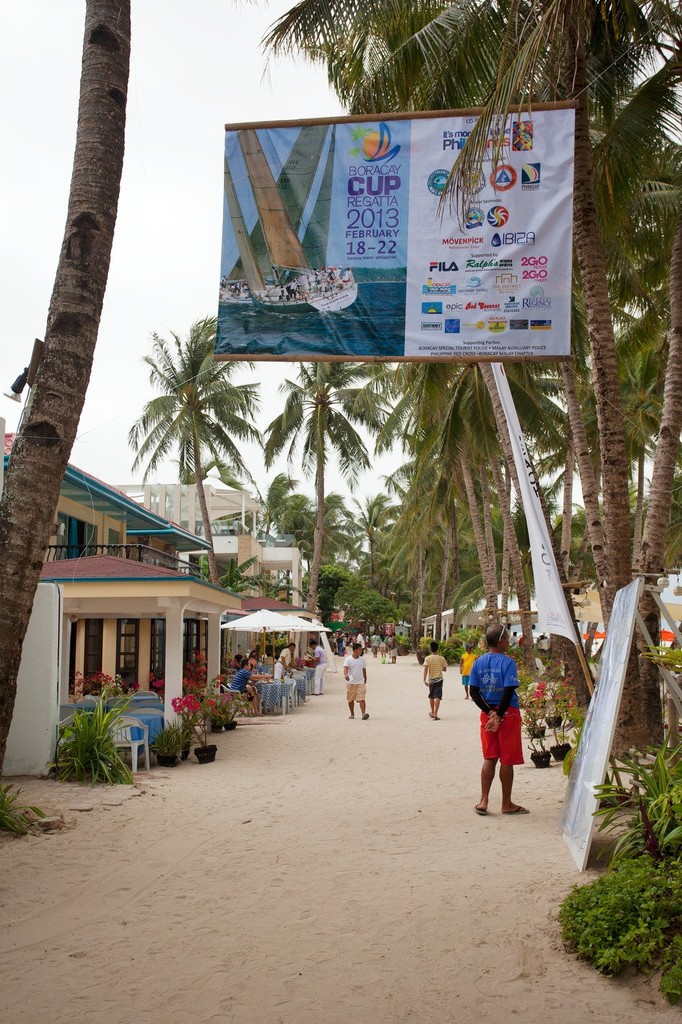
(533, 704)
(195, 712)
(167, 746)
(227, 707)
(539, 755)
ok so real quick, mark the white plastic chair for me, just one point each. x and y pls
(123, 738)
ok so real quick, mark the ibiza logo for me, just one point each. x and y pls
(503, 178)
(513, 238)
(522, 136)
(437, 181)
(374, 145)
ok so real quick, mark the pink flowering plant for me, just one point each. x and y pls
(227, 707)
(194, 711)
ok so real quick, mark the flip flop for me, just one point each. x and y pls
(365, 717)
(430, 714)
(518, 810)
(480, 810)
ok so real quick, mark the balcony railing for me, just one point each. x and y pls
(134, 552)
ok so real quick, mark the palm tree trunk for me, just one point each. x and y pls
(423, 556)
(592, 264)
(488, 524)
(567, 510)
(43, 444)
(445, 572)
(512, 545)
(588, 482)
(319, 532)
(455, 546)
(652, 558)
(489, 576)
(639, 514)
(206, 522)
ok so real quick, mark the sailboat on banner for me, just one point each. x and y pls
(273, 269)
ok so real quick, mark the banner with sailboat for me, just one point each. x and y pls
(336, 243)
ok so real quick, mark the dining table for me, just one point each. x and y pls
(152, 717)
(274, 695)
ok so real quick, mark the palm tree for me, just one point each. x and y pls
(43, 444)
(197, 414)
(274, 502)
(371, 517)
(320, 414)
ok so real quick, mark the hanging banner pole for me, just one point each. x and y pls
(553, 611)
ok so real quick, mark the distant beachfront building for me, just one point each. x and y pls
(234, 528)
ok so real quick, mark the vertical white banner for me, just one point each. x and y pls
(553, 613)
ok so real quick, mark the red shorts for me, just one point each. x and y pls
(505, 744)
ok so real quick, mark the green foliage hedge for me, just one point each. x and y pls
(631, 917)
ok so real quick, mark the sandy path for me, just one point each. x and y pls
(322, 871)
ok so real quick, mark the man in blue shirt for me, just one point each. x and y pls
(493, 683)
(243, 683)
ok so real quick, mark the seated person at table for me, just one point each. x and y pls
(237, 660)
(243, 682)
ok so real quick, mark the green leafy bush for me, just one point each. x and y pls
(631, 917)
(647, 810)
(86, 750)
(13, 816)
(169, 742)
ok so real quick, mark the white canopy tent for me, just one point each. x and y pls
(266, 621)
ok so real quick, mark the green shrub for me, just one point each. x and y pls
(631, 917)
(647, 812)
(170, 741)
(13, 816)
(86, 749)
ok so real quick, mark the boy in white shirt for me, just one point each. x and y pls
(355, 674)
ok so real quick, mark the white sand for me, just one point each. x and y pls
(321, 871)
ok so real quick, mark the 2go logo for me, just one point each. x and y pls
(538, 265)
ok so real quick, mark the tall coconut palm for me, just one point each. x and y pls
(371, 517)
(197, 415)
(42, 447)
(321, 412)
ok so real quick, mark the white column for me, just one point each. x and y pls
(173, 677)
(244, 511)
(213, 646)
(67, 626)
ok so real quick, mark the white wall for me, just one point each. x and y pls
(33, 733)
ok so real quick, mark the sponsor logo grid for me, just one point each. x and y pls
(496, 257)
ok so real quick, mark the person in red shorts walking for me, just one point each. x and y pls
(493, 685)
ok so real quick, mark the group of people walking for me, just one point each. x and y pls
(489, 680)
